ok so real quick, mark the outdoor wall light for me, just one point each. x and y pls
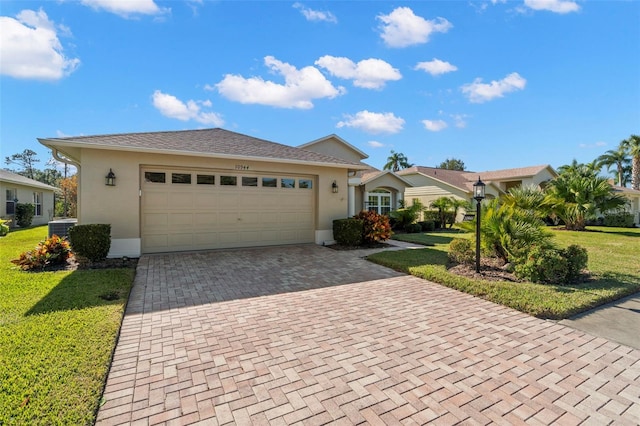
(334, 187)
(478, 195)
(110, 179)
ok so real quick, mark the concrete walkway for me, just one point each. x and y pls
(310, 335)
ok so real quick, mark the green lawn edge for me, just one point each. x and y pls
(57, 337)
(612, 261)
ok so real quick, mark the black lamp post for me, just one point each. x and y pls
(478, 195)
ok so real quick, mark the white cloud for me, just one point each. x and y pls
(172, 107)
(557, 6)
(127, 8)
(599, 144)
(373, 122)
(300, 88)
(434, 125)
(479, 92)
(368, 73)
(30, 48)
(460, 120)
(315, 15)
(375, 144)
(402, 28)
(436, 67)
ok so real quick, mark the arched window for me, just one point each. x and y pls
(378, 200)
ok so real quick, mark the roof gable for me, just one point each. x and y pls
(320, 145)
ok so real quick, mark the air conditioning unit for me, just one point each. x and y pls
(61, 227)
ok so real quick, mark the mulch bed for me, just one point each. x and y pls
(491, 269)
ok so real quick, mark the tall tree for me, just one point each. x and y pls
(618, 158)
(396, 161)
(632, 146)
(452, 164)
(25, 160)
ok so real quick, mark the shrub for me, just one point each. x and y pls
(460, 251)
(553, 266)
(413, 228)
(4, 228)
(427, 225)
(407, 216)
(52, 251)
(620, 220)
(577, 259)
(376, 227)
(347, 232)
(91, 241)
(24, 214)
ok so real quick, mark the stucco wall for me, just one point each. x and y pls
(120, 205)
(335, 148)
(25, 195)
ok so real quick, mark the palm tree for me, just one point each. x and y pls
(396, 161)
(442, 204)
(575, 197)
(632, 146)
(456, 205)
(618, 158)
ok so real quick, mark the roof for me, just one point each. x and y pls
(465, 179)
(207, 142)
(515, 173)
(7, 176)
(625, 190)
(457, 178)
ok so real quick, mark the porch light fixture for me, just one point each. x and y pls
(334, 187)
(110, 179)
(478, 195)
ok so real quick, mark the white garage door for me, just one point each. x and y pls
(195, 210)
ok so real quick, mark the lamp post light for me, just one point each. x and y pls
(478, 195)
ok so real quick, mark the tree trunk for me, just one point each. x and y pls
(635, 172)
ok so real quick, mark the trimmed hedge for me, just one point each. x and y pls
(92, 241)
(24, 214)
(619, 220)
(348, 232)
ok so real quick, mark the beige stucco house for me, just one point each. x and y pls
(17, 189)
(369, 188)
(429, 183)
(633, 206)
(208, 189)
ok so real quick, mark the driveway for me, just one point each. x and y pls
(309, 335)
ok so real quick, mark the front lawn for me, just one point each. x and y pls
(613, 263)
(56, 337)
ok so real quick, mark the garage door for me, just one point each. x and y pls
(195, 210)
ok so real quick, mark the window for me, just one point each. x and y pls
(287, 183)
(249, 181)
(12, 194)
(37, 202)
(229, 180)
(154, 177)
(305, 184)
(206, 180)
(181, 178)
(269, 182)
(378, 201)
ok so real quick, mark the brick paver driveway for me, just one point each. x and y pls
(307, 334)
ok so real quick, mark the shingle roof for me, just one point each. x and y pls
(465, 179)
(206, 141)
(8, 176)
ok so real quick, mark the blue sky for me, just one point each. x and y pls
(497, 84)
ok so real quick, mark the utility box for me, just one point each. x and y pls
(61, 227)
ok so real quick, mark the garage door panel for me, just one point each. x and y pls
(180, 217)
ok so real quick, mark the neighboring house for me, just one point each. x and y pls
(208, 189)
(633, 207)
(17, 189)
(429, 183)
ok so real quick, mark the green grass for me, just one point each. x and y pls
(56, 337)
(613, 263)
